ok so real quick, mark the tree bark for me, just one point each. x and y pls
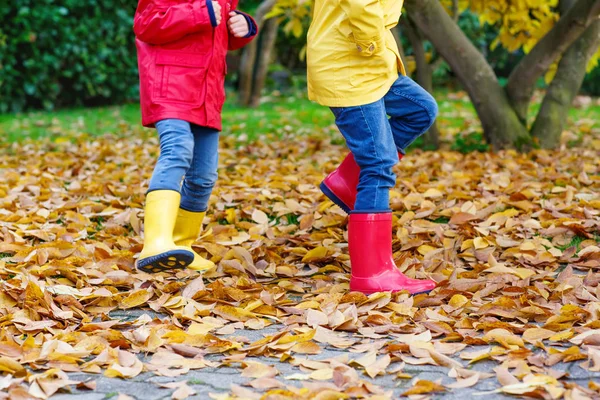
(396, 33)
(267, 43)
(424, 76)
(523, 78)
(553, 114)
(455, 10)
(248, 60)
(501, 125)
(564, 5)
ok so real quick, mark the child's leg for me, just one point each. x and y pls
(176, 152)
(412, 111)
(195, 193)
(160, 252)
(369, 137)
(202, 175)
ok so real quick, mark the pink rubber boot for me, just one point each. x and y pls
(373, 267)
(341, 184)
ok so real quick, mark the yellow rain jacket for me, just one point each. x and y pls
(353, 58)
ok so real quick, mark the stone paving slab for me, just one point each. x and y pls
(219, 380)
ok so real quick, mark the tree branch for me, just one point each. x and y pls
(522, 80)
(455, 10)
(553, 114)
(424, 74)
(249, 55)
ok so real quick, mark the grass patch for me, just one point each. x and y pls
(292, 219)
(458, 123)
(111, 395)
(470, 143)
(278, 115)
(575, 242)
(441, 220)
(195, 381)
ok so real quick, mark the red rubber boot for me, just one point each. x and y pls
(341, 185)
(373, 267)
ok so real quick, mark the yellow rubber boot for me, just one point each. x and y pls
(160, 252)
(187, 230)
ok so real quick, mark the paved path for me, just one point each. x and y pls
(215, 381)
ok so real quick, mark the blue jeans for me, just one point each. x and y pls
(188, 161)
(375, 140)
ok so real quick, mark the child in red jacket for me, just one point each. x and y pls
(181, 47)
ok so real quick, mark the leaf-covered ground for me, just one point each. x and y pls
(512, 239)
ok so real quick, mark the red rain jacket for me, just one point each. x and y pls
(181, 59)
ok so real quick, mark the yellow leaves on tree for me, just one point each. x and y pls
(521, 23)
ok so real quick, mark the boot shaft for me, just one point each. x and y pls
(187, 227)
(370, 242)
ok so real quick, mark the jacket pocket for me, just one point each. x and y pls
(180, 77)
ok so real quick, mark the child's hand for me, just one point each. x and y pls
(238, 26)
(217, 10)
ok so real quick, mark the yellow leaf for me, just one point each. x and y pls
(304, 337)
(136, 299)
(12, 367)
(562, 336)
(423, 387)
(458, 300)
(424, 249)
(316, 254)
(480, 243)
(504, 337)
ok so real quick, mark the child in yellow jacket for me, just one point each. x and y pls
(354, 68)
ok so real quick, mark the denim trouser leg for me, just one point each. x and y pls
(200, 179)
(412, 111)
(176, 153)
(189, 151)
(369, 137)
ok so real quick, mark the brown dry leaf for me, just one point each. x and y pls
(183, 391)
(533, 382)
(494, 229)
(465, 383)
(265, 383)
(259, 370)
(535, 335)
(378, 367)
(315, 318)
(503, 337)
(44, 385)
(127, 366)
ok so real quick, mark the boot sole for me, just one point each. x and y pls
(329, 193)
(167, 261)
(412, 294)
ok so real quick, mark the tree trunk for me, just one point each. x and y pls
(502, 128)
(523, 78)
(248, 60)
(554, 112)
(396, 33)
(424, 76)
(267, 43)
(564, 5)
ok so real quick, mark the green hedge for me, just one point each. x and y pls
(591, 85)
(57, 53)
